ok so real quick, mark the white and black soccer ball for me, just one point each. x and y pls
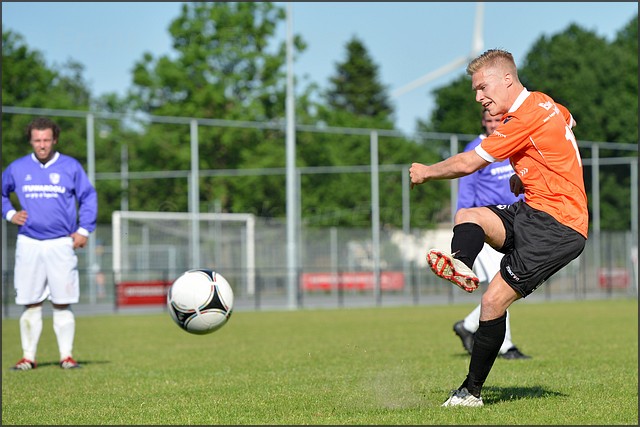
(200, 301)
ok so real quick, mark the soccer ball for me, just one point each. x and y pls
(200, 301)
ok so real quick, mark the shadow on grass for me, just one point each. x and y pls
(499, 394)
(82, 363)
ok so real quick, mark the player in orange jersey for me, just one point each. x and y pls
(539, 236)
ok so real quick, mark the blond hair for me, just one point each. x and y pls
(495, 58)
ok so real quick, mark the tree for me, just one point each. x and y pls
(595, 79)
(27, 81)
(357, 99)
(623, 86)
(224, 68)
(456, 112)
(356, 89)
(583, 71)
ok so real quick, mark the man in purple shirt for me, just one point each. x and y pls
(487, 186)
(49, 185)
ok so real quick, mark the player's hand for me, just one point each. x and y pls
(79, 241)
(19, 218)
(516, 185)
(418, 174)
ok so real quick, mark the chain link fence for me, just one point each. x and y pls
(334, 266)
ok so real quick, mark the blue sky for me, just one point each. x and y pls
(406, 40)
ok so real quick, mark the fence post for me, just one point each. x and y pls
(375, 216)
(91, 173)
(595, 207)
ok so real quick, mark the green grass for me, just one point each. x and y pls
(350, 366)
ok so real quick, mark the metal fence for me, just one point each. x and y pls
(336, 270)
(608, 266)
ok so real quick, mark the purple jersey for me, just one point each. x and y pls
(487, 186)
(49, 194)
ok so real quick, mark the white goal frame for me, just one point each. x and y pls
(247, 219)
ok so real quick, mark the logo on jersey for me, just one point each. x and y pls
(502, 170)
(54, 178)
(28, 177)
(524, 171)
(550, 106)
(500, 134)
(546, 105)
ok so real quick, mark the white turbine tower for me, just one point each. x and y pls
(477, 44)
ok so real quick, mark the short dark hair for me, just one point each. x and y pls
(42, 123)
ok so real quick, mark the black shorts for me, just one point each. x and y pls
(536, 246)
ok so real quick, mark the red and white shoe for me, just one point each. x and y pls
(24, 365)
(69, 363)
(449, 268)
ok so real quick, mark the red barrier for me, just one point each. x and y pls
(360, 281)
(152, 292)
(613, 278)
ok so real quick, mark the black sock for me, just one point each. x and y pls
(467, 242)
(487, 343)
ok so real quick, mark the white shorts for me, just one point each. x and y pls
(46, 269)
(487, 263)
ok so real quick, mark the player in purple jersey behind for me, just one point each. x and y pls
(49, 186)
(487, 186)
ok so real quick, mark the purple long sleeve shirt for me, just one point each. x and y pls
(487, 186)
(49, 193)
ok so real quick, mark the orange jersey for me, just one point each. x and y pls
(535, 135)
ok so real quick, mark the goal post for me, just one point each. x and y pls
(146, 242)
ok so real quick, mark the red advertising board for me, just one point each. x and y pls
(613, 278)
(152, 292)
(360, 281)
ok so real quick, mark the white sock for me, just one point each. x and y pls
(472, 321)
(64, 325)
(30, 329)
(507, 343)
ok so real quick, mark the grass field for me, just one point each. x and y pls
(352, 366)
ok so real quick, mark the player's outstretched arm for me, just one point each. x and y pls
(461, 164)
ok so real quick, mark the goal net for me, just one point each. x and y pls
(153, 245)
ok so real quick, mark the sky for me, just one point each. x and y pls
(406, 40)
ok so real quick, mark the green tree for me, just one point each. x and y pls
(223, 67)
(457, 110)
(590, 76)
(595, 79)
(27, 81)
(357, 99)
(622, 126)
(356, 88)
